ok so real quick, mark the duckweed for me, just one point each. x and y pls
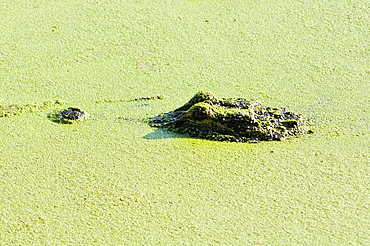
(14, 109)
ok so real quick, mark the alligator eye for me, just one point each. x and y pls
(200, 115)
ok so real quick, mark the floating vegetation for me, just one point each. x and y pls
(68, 116)
(12, 110)
(231, 119)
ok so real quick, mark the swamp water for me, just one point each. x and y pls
(111, 180)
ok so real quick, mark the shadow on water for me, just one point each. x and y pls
(163, 134)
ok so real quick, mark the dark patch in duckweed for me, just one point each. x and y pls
(132, 100)
(231, 119)
(68, 116)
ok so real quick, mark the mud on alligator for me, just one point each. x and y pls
(231, 119)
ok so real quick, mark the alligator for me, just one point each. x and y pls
(231, 119)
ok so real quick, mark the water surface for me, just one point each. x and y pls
(115, 181)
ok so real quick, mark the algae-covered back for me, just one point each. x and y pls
(231, 119)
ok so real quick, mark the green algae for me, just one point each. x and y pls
(13, 110)
(102, 183)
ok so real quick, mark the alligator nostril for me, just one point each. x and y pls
(68, 116)
(71, 114)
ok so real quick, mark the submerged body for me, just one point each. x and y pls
(229, 119)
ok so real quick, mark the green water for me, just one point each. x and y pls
(119, 182)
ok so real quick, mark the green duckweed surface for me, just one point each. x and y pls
(114, 180)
